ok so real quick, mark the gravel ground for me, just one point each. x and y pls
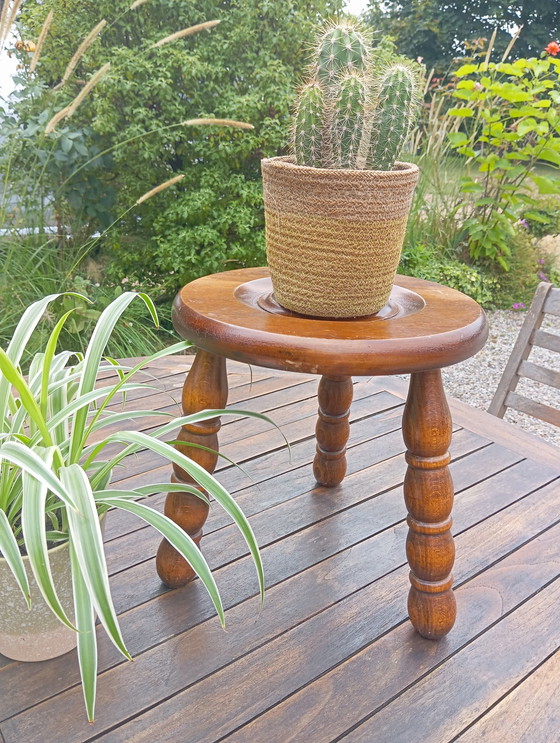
(474, 381)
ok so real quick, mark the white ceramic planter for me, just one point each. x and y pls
(36, 634)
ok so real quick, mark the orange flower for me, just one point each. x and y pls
(553, 48)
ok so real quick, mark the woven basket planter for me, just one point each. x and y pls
(334, 237)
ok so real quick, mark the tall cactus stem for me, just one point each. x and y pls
(394, 114)
(341, 48)
(308, 128)
(347, 120)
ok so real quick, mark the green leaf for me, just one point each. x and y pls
(10, 552)
(87, 640)
(512, 95)
(509, 69)
(208, 482)
(98, 341)
(87, 541)
(520, 111)
(457, 138)
(536, 217)
(178, 539)
(116, 388)
(15, 378)
(90, 397)
(47, 361)
(28, 460)
(526, 125)
(468, 185)
(33, 528)
(545, 185)
(466, 69)
(464, 113)
(146, 490)
(551, 156)
(20, 337)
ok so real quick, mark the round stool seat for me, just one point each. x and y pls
(424, 326)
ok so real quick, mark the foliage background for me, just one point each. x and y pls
(438, 29)
(127, 137)
(246, 68)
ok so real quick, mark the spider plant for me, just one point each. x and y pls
(54, 482)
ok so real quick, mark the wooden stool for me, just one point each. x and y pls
(423, 328)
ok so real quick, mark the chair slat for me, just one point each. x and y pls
(521, 350)
(531, 407)
(552, 304)
(543, 339)
(539, 374)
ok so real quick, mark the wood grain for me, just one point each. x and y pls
(528, 714)
(205, 388)
(428, 494)
(221, 313)
(332, 430)
(333, 626)
(312, 713)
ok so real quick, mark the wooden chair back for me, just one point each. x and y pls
(545, 301)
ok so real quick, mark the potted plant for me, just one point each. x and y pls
(336, 210)
(54, 490)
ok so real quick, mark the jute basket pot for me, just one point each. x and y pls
(334, 237)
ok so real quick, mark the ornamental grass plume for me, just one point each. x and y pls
(82, 49)
(157, 189)
(71, 109)
(185, 32)
(56, 119)
(7, 18)
(218, 122)
(91, 83)
(41, 40)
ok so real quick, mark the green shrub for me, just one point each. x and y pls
(427, 262)
(543, 217)
(511, 123)
(243, 69)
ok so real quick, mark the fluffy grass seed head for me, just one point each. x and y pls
(185, 32)
(161, 187)
(82, 49)
(218, 122)
(41, 40)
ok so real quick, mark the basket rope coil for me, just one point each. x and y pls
(334, 237)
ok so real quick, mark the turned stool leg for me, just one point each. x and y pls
(205, 387)
(428, 493)
(332, 430)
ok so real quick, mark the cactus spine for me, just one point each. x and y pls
(340, 49)
(352, 113)
(308, 133)
(347, 122)
(393, 116)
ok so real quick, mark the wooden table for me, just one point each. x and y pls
(423, 328)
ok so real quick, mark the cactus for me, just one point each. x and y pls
(308, 127)
(357, 108)
(393, 116)
(347, 122)
(340, 49)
